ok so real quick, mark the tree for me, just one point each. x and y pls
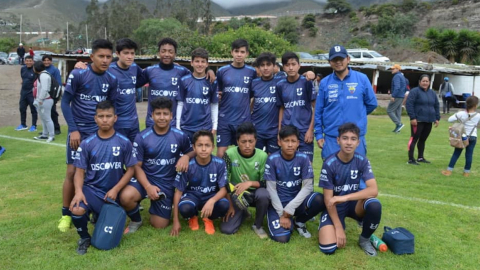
(151, 30)
(7, 44)
(468, 45)
(207, 16)
(449, 40)
(338, 6)
(288, 28)
(433, 37)
(308, 21)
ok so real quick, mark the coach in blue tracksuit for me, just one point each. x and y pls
(344, 96)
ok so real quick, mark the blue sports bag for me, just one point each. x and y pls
(399, 240)
(109, 226)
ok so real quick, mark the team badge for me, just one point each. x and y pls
(205, 90)
(296, 171)
(272, 89)
(134, 79)
(351, 87)
(105, 87)
(218, 139)
(174, 81)
(246, 79)
(299, 91)
(213, 177)
(116, 150)
(353, 174)
(276, 224)
(173, 148)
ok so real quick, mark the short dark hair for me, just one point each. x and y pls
(38, 66)
(161, 103)
(266, 57)
(200, 52)
(125, 43)
(167, 40)
(348, 127)
(239, 43)
(105, 105)
(288, 130)
(289, 55)
(199, 133)
(472, 102)
(28, 57)
(423, 76)
(246, 128)
(47, 56)
(101, 44)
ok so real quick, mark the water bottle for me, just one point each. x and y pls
(378, 243)
(464, 137)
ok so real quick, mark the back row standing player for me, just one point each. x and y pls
(84, 90)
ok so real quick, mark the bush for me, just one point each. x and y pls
(7, 44)
(308, 21)
(308, 25)
(312, 32)
(288, 28)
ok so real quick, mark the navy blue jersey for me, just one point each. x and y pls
(203, 180)
(88, 89)
(104, 159)
(163, 83)
(128, 79)
(196, 95)
(265, 109)
(345, 178)
(160, 153)
(288, 174)
(28, 78)
(235, 85)
(297, 99)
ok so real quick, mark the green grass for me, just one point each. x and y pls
(446, 236)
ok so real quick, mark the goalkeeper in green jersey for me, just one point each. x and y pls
(245, 166)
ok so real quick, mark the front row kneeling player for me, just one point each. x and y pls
(342, 176)
(202, 187)
(99, 170)
(289, 176)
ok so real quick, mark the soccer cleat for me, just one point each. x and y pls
(21, 127)
(193, 223)
(422, 160)
(50, 139)
(65, 223)
(302, 229)
(260, 232)
(41, 137)
(399, 127)
(367, 246)
(83, 245)
(2, 150)
(466, 174)
(209, 227)
(412, 162)
(32, 129)
(447, 172)
(133, 227)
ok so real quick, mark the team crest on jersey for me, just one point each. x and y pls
(174, 81)
(173, 147)
(116, 150)
(351, 87)
(353, 174)
(105, 87)
(218, 139)
(299, 91)
(257, 166)
(134, 79)
(205, 90)
(213, 177)
(272, 89)
(246, 79)
(296, 171)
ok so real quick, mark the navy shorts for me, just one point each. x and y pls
(198, 203)
(161, 208)
(130, 132)
(72, 154)
(226, 135)
(267, 143)
(94, 197)
(306, 148)
(346, 209)
(273, 220)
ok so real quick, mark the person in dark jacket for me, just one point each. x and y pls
(399, 86)
(424, 110)
(21, 54)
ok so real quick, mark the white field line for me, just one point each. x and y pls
(379, 194)
(32, 141)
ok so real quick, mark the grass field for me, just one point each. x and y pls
(442, 212)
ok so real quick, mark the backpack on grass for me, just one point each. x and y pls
(109, 227)
(458, 137)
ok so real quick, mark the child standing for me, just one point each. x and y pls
(470, 118)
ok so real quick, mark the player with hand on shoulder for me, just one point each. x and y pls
(289, 176)
(202, 187)
(99, 170)
(343, 179)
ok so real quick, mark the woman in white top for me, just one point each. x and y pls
(43, 102)
(470, 118)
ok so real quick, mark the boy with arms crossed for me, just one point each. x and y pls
(342, 175)
(289, 176)
(162, 151)
(99, 170)
(197, 107)
(202, 187)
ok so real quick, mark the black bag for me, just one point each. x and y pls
(55, 91)
(109, 227)
(399, 240)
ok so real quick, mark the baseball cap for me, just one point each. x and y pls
(337, 51)
(21, 44)
(396, 66)
(446, 79)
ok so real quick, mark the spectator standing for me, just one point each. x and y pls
(398, 89)
(26, 95)
(21, 54)
(445, 92)
(44, 102)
